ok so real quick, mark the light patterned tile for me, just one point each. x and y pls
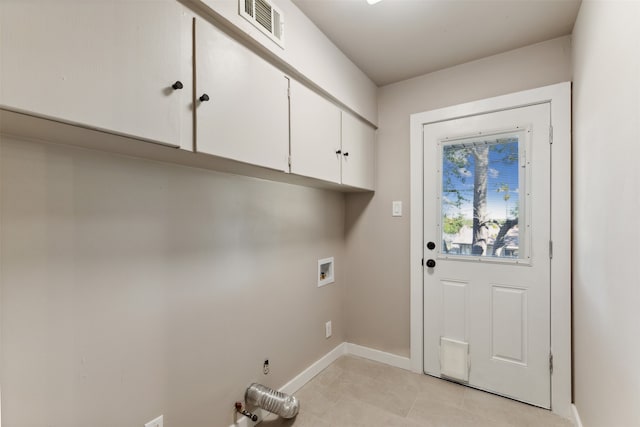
(316, 399)
(395, 377)
(358, 366)
(500, 409)
(328, 375)
(434, 413)
(549, 419)
(352, 412)
(355, 392)
(396, 400)
(302, 420)
(442, 391)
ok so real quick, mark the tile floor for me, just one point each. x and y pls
(355, 392)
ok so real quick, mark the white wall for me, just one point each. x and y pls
(378, 244)
(133, 288)
(606, 272)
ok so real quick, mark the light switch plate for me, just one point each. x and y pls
(396, 208)
(156, 422)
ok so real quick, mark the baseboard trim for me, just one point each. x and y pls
(318, 366)
(576, 416)
(379, 356)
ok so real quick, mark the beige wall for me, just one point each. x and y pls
(606, 273)
(377, 244)
(132, 288)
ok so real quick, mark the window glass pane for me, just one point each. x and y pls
(480, 198)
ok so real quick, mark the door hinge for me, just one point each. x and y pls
(550, 134)
(550, 363)
(550, 249)
(289, 92)
(289, 161)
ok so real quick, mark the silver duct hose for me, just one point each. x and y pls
(272, 400)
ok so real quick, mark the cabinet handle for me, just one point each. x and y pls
(338, 151)
(177, 85)
(204, 97)
(346, 154)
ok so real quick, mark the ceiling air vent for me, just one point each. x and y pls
(264, 16)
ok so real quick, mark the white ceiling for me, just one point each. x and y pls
(397, 39)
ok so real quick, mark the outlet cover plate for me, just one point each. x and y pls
(327, 329)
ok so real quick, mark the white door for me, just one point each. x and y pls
(487, 252)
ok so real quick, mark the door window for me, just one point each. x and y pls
(483, 195)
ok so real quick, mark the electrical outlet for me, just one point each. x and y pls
(327, 329)
(157, 422)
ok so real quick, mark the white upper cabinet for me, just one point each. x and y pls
(242, 106)
(106, 64)
(315, 135)
(156, 71)
(329, 144)
(358, 151)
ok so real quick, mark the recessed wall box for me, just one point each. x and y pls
(325, 271)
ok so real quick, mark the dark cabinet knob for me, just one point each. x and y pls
(431, 263)
(338, 151)
(177, 85)
(431, 246)
(346, 154)
(204, 97)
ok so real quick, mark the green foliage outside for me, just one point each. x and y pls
(454, 225)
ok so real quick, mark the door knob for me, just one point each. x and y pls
(431, 263)
(431, 246)
(204, 97)
(177, 85)
(338, 151)
(346, 154)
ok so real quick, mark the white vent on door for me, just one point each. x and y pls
(454, 359)
(264, 16)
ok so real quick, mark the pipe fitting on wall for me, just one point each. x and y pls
(241, 410)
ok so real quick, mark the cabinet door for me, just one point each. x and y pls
(358, 148)
(106, 64)
(315, 135)
(246, 116)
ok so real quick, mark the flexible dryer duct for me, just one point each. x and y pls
(272, 400)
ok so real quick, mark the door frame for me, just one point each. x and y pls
(559, 97)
